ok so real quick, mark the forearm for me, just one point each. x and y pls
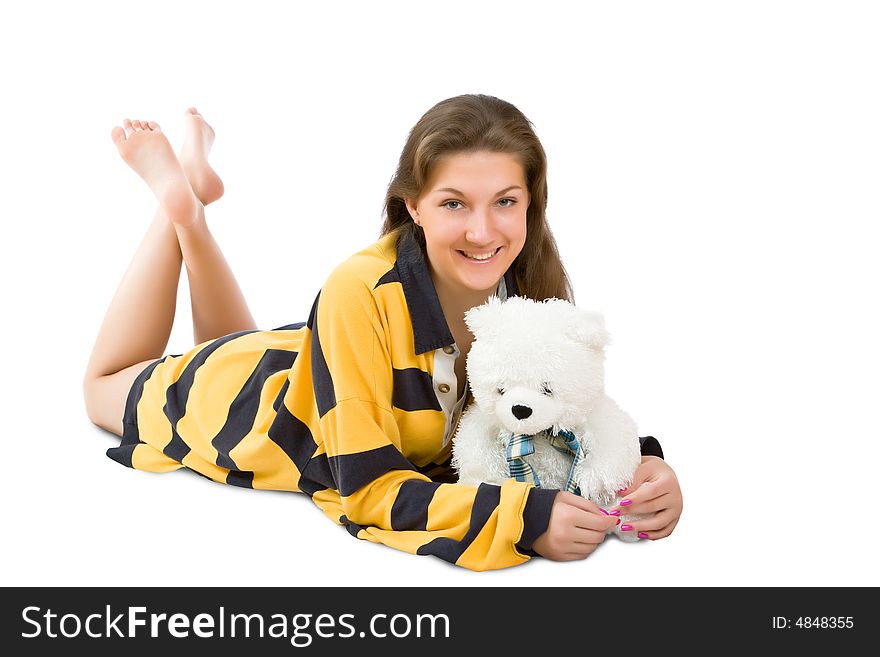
(482, 527)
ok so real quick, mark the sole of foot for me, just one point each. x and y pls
(145, 149)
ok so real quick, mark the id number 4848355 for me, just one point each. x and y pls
(814, 622)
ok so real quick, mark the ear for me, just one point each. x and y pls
(588, 328)
(411, 208)
(484, 321)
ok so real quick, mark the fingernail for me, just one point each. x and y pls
(622, 489)
(643, 535)
(625, 502)
(626, 528)
(614, 513)
(604, 511)
(618, 521)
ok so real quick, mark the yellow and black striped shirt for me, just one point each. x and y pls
(343, 407)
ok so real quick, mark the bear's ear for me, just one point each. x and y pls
(483, 320)
(588, 328)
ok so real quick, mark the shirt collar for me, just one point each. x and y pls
(429, 324)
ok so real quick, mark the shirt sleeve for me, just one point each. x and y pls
(650, 446)
(376, 492)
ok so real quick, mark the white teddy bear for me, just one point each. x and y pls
(540, 412)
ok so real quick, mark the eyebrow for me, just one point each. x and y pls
(455, 191)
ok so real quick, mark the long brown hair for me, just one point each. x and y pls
(476, 122)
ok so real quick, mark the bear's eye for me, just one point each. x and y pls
(500, 391)
(546, 389)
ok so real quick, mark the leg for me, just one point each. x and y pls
(218, 306)
(138, 323)
(137, 326)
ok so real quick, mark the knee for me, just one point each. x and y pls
(90, 398)
(99, 408)
(106, 396)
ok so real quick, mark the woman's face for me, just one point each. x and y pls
(473, 205)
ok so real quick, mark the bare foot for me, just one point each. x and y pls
(194, 158)
(146, 150)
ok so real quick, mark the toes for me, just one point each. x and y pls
(138, 126)
(117, 135)
(192, 110)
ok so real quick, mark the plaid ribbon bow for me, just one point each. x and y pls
(520, 446)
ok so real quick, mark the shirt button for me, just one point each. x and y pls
(449, 350)
(443, 388)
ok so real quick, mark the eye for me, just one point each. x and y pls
(446, 205)
(512, 202)
(546, 389)
(500, 391)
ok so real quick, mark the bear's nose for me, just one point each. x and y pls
(521, 412)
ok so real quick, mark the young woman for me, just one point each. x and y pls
(355, 407)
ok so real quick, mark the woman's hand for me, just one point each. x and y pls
(577, 527)
(654, 490)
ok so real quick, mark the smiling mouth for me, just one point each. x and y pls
(484, 257)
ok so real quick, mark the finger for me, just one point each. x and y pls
(587, 537)
(663, 532)
(586, 521)
(627, 490)
(654, 523)
(581, 503)
(647, 491)
(651, 506)
(641, 475)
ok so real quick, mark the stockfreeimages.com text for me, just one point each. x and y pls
(300, 629)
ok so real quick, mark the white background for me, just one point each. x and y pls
(713, 186)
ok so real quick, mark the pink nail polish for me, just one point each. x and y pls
(621, 490)
(625, 502)
(626, 528)
(614, 513)
(643, 535)
(618, 521)
(604, 511)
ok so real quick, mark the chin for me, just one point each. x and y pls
(487, 284)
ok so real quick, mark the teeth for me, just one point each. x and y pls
(485, 256)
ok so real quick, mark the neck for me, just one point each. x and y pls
(456, 302)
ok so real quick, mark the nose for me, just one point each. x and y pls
(521, 412)
(479, 227)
